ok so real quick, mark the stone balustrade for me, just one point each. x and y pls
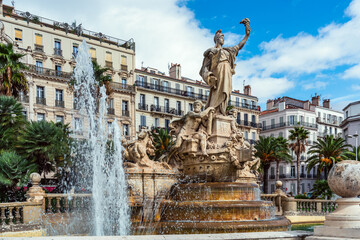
(62, 202)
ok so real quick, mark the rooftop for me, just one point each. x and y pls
(67, 28)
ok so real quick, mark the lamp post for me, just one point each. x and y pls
(356, 143)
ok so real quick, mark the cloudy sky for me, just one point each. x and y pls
(296, 48)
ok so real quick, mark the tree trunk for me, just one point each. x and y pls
(298, 172)
(8, 90)
(277, 170)
(266, 176)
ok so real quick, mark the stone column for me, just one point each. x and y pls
(32, 213)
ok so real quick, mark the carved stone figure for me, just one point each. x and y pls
(137, 153)
(195, 126)
(218, 67)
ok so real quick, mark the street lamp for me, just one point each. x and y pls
(356, 142)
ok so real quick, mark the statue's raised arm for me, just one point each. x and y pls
(246, 22)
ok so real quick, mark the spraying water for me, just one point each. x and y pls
(103, 172)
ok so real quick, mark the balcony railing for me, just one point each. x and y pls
(48, 72)
(272, 177)
(121, 86)
(125, 113)
(247, 123)
(282, 176)
(108, 64)
(57, 52)
(40, 100)
(168, 110)
(157, 87)
(143, 106)
(38, 48)
(59, 103)
(124, 67)
(78, 30)
(289, 124)
(111, 111)
(24, 99)
(327, 121)
(309, 176)
(302, 175)
(243, 105)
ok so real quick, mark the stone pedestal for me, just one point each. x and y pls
(221, 129)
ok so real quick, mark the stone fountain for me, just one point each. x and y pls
(217, 190)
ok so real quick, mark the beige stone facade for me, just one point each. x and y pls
(162, 98)
(50, 48)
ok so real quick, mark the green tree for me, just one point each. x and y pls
(351, 155)
(11, 121)
(298, 135)
(162, 141)
(45, 143)
(325, 152)
(265, 151)
(14, 171)
(321, 190)
(282, 153)
(12, 80)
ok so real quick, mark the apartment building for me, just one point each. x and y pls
(50, 48)
(282, 115)
(351, 123)
(161, 98)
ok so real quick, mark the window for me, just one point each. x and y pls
(237, 102)
(59, 94)
(125, 105)
(292, 171)
(38, 39)
(40, 92)
(75, 50)
(58, 70)
(157, 122)
(303, 188)
(123, 60)
(207, 92)
(167, 123)
(111, 103)
(142, 99)
(57, 47)
(108, 57)
(156, 102)
(143, 121)
(281, 134)
(93, 53)
(110, 128)
(253, 137)
(253, 119)
(238, 118)
(246, 119)
(189, 90)
(281, 120)
(25, 114)
(264, 124)
(272, 188)
(246, 135)
(59, 118)
(165, 85)
(177, 87)
(18, 34)
(272, 171)
(301, 119)
(39, 66)
(123, 82)
(200, 92)
(292, 120)
(77, 124)
(40, 117)
(155, 83)
(292, 188)
(167, 105)
(272, 123)
(190, 107)
(178, 106)
(125, 129)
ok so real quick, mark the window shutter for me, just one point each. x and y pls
(38, 39)
(18, 34)
(108, 56)
(123, 60)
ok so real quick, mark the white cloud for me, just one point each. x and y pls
(315, 85)
(334, 45)
(352, 73)
(356, 88)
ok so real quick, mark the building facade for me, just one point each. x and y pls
(161, 98)
(50, 48)
(282, 115)
(351, 123)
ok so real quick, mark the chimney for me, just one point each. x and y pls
(247, 90)
(326, 103)
(316, 100)
(175, 71)
(269, 104)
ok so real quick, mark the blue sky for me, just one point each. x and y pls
(296, 48)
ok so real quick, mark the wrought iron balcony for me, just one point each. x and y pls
(143, 106)
(124, 67)
(41, 100)
(244, 105)
(38, 48)
(111, 111)
(59, 103)
(247, 123)
(122, 86)
(302, 175)
(48, 72)
(57, 52)
(24, 99)
(125, 113)
(108, 64)
(289, 124)
(272, 176)
(282, 175)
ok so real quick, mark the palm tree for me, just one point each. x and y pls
(12, 80)
(11, 121)
(321, 190)
(162, 141)
(298, 135)
(101, 78)
(351, 155)
(46, 144)
(327, 151)
(266, 152)
(282, 153)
